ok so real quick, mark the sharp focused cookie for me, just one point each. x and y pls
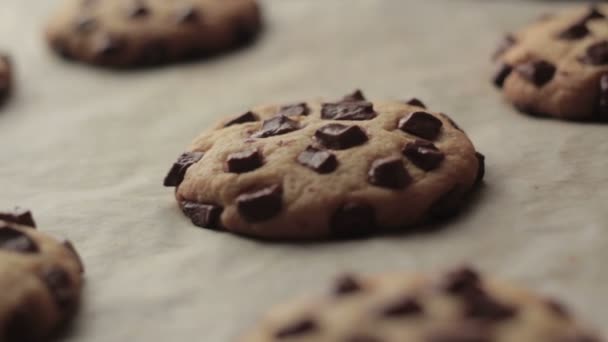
(558, 66)
(143, 32)
(334, 169)
(6, 77)
(40, 279)
(458, 306)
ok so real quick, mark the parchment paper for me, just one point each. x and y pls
(87, 149)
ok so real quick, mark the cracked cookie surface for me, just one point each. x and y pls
(40, 279)
(458, 306)
(326, 169)
(558, 66)
(136, 33)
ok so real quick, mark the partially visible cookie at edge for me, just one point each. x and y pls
(6, 77)
(40, 279)
(461, 305)
(137, 33)
(558, 65)
(334, 169)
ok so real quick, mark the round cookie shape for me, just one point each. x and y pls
(558, 65)
(457, 306)
(135, 33)
(338, 169)
(40, 279)
(6, 77)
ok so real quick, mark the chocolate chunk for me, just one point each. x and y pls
(405, 307)
(574, 32)
(246, 117)
(85, 24)
(108, 46)
(452, 122)
(203, 215)
(594, 13)
(303, 327)
(481, 167)
(340, 137)
(602, 110)
(464, 332)
(59, 284)
(261, 205)
(19, 216)
(421, 124)
(355, 96)
(424, 154)
(70, 247)
(16, 241)
(297, 109)
(138, 10)
(362, 338)
(461, 280)
(176, 175)
(538, 72)
(359, 110)
(346, 285)
(448, 204)
(503, 71)
(245, 161)
(353, 220)
(277, 125)
(415, 102)
(19, 326)
(389, 173)
(507, 42)
(479, 305)
(597, 54)
(318, 160)
(188, 15)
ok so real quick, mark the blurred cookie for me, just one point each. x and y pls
(136, 33)
(6, 77)
(334, 169)
(558, 66)
(40, 279)
(459, 306)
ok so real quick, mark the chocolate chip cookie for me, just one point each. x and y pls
(458, 306)
(326, 169)
(40, 279)
(558, 66)
(6, 77)
(136, 33)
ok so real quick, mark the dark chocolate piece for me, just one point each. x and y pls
(245, 161)
(503, 71)
(354, 110)
(340, 137)
(277, 125)
(319, 160)
(389, 173)
(16, 241)
(424, 154)
(353, 220)
(538, 72)
(405, 307)
(421, 124)
(596, 54)
(176, 175)
(261, 205)
(19, 216)
(203, 215)
(245, 117)
(415, 102)
(297, 109)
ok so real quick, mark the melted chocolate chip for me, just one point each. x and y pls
(405, 307)
(596, 54)
(358, 110)
(389, 173)
(245, 117)
(19, 216)
(277, 125)
(602, 109)
(346, 285)
(85, 24)
(574, 32)
(70, 247)
(415, 102)
(355, 96)
(481, 167)
(297, 109)
(424, 154)
(462, 280)
(502, 72)
(59, 284)
(353, 220)
(421, 124)
(303, 327)
(321, 161)
(507, 42)
(340, 137)
(138, 10)
(176, 175)
(16, 241)
(187, 15)
(245, 161)
(538, 72)
(261, 205)
(203, 215)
